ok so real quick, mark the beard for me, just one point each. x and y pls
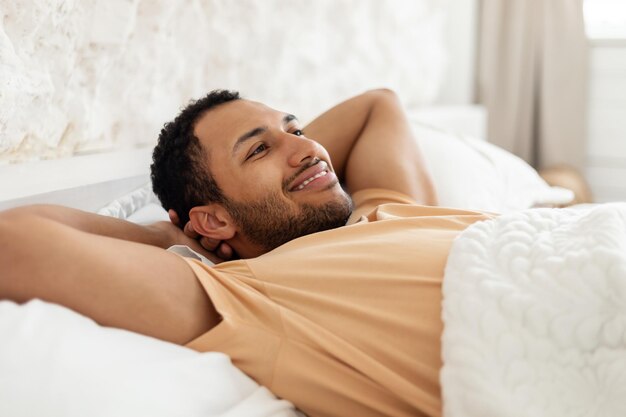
(271, 222)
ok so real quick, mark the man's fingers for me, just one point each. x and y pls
(190, 231)
(209, 244)
(221, 249)
(224, 251)
(173, 217)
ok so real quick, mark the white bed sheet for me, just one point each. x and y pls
(55, 362)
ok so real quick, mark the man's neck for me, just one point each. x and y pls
(244, 248)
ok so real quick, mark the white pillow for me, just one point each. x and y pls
(55, 362)
(473, 174)
(139, 206)
(468, 173)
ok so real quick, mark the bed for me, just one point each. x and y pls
(73, 367)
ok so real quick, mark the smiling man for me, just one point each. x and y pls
(335, 303)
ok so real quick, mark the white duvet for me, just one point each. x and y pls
(535, 316)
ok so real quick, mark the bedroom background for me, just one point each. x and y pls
(86, 86)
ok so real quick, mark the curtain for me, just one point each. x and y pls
(532, 77)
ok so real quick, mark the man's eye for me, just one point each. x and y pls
(297, 132)
(258, 150)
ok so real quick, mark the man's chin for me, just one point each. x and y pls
(337, 205)
(271, 222)
(334, 198)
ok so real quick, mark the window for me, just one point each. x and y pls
(605, 19)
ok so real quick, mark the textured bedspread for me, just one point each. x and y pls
(535, 315)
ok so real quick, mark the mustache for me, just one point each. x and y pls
(289, 180)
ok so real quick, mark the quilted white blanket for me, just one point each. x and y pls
(535, 316)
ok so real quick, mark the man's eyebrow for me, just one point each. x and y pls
(258, 131)
(247, 136)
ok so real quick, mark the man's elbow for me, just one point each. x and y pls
(383, 92)
(388, 102)
(11, 216)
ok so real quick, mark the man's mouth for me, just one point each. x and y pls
(308, 180)
(311, 174)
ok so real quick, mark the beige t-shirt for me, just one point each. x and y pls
(345, 322)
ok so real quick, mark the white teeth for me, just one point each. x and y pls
(308, 180)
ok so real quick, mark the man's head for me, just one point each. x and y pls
(245, 173)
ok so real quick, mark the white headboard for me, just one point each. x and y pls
(85, 182)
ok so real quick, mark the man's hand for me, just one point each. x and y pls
(174, 236)
(217, 248)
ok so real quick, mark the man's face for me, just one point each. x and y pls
(280, 184)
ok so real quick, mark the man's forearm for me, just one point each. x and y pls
(92, 223)
(340, 127)
(371, 145)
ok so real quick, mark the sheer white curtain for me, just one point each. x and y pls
(532, 77)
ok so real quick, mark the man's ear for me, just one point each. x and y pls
(212, 221)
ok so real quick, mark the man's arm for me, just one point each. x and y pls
(371, 145)
(161, 234)
(57, 255)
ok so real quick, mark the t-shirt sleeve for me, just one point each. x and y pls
(251, 324)
(367, 200)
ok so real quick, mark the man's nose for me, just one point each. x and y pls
(300, 150)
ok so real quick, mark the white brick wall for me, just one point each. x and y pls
(77, 76)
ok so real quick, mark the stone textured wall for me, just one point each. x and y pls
(80, 76)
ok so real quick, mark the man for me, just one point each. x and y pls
(341, 320)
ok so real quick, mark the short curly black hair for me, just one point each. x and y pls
(181, 177)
